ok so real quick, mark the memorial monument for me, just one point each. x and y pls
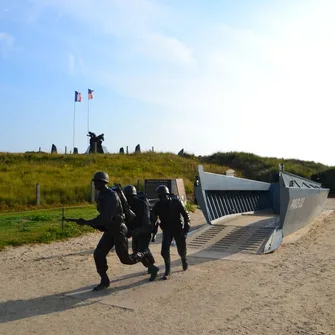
(96, 144)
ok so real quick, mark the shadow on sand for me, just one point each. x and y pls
(20, 309)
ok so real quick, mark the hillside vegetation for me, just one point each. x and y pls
(263, 168)
(65, 179)
(327, 179)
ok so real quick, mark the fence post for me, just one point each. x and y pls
(127, 149)
(38, 194)
(65, 150)
(92, 198)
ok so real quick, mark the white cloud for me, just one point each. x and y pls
(133, 21)
(259, 92)
(165, 49)
(71, 63)
(6, 44)
(254, 88)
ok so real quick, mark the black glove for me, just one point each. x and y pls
(155, 229)
(101, 228)
(184, 233)
(81, 222)
(185, 230)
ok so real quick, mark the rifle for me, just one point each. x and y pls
(101, 228)
(70, 220)
(127, 211)
(154, 232)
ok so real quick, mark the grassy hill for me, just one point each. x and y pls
(327, 179)
(65, 179)
(263, 168)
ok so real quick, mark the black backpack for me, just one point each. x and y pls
(129, 214)
(142, 196)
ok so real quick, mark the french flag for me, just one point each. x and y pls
(77, 96)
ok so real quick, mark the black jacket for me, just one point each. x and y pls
(110, 208)
(169, 214)
(141, 224)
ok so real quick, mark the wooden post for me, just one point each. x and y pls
(153, 149)
(65, 150)
(95, 147)
(127, 149)
(63, 220)
(92, 198)
(38, 194)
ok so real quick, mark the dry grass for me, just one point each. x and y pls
(65, 179)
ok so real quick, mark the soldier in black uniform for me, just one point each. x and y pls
(140, 228)
(111, 221)
(169, 210)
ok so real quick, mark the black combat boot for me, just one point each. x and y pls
(153, 270)
(185, 264)
(104, 283)
(167, 268)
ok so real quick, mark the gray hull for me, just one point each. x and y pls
(294, 200)
(301, 200)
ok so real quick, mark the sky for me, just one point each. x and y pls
(204, 76)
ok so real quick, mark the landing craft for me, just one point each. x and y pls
(251, 216)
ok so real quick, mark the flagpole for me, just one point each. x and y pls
(88, 114)
(88, 118)
(74, 121)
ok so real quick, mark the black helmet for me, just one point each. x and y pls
(162, 190)
(130, 190)
(102, 176)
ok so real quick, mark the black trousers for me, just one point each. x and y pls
(166, 244)
(141, 243)
(118, 239)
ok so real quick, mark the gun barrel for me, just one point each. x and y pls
(70, 220)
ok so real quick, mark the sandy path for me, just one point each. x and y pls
(291, 291)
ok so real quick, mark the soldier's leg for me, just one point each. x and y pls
(149, 261)
(182, 249)
(165, 252)
(121, 247)
(104, 246)
(139, 244)
(134, 244)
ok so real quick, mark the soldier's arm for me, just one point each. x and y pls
(110, 205)
(186, 216)
(153, 215)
